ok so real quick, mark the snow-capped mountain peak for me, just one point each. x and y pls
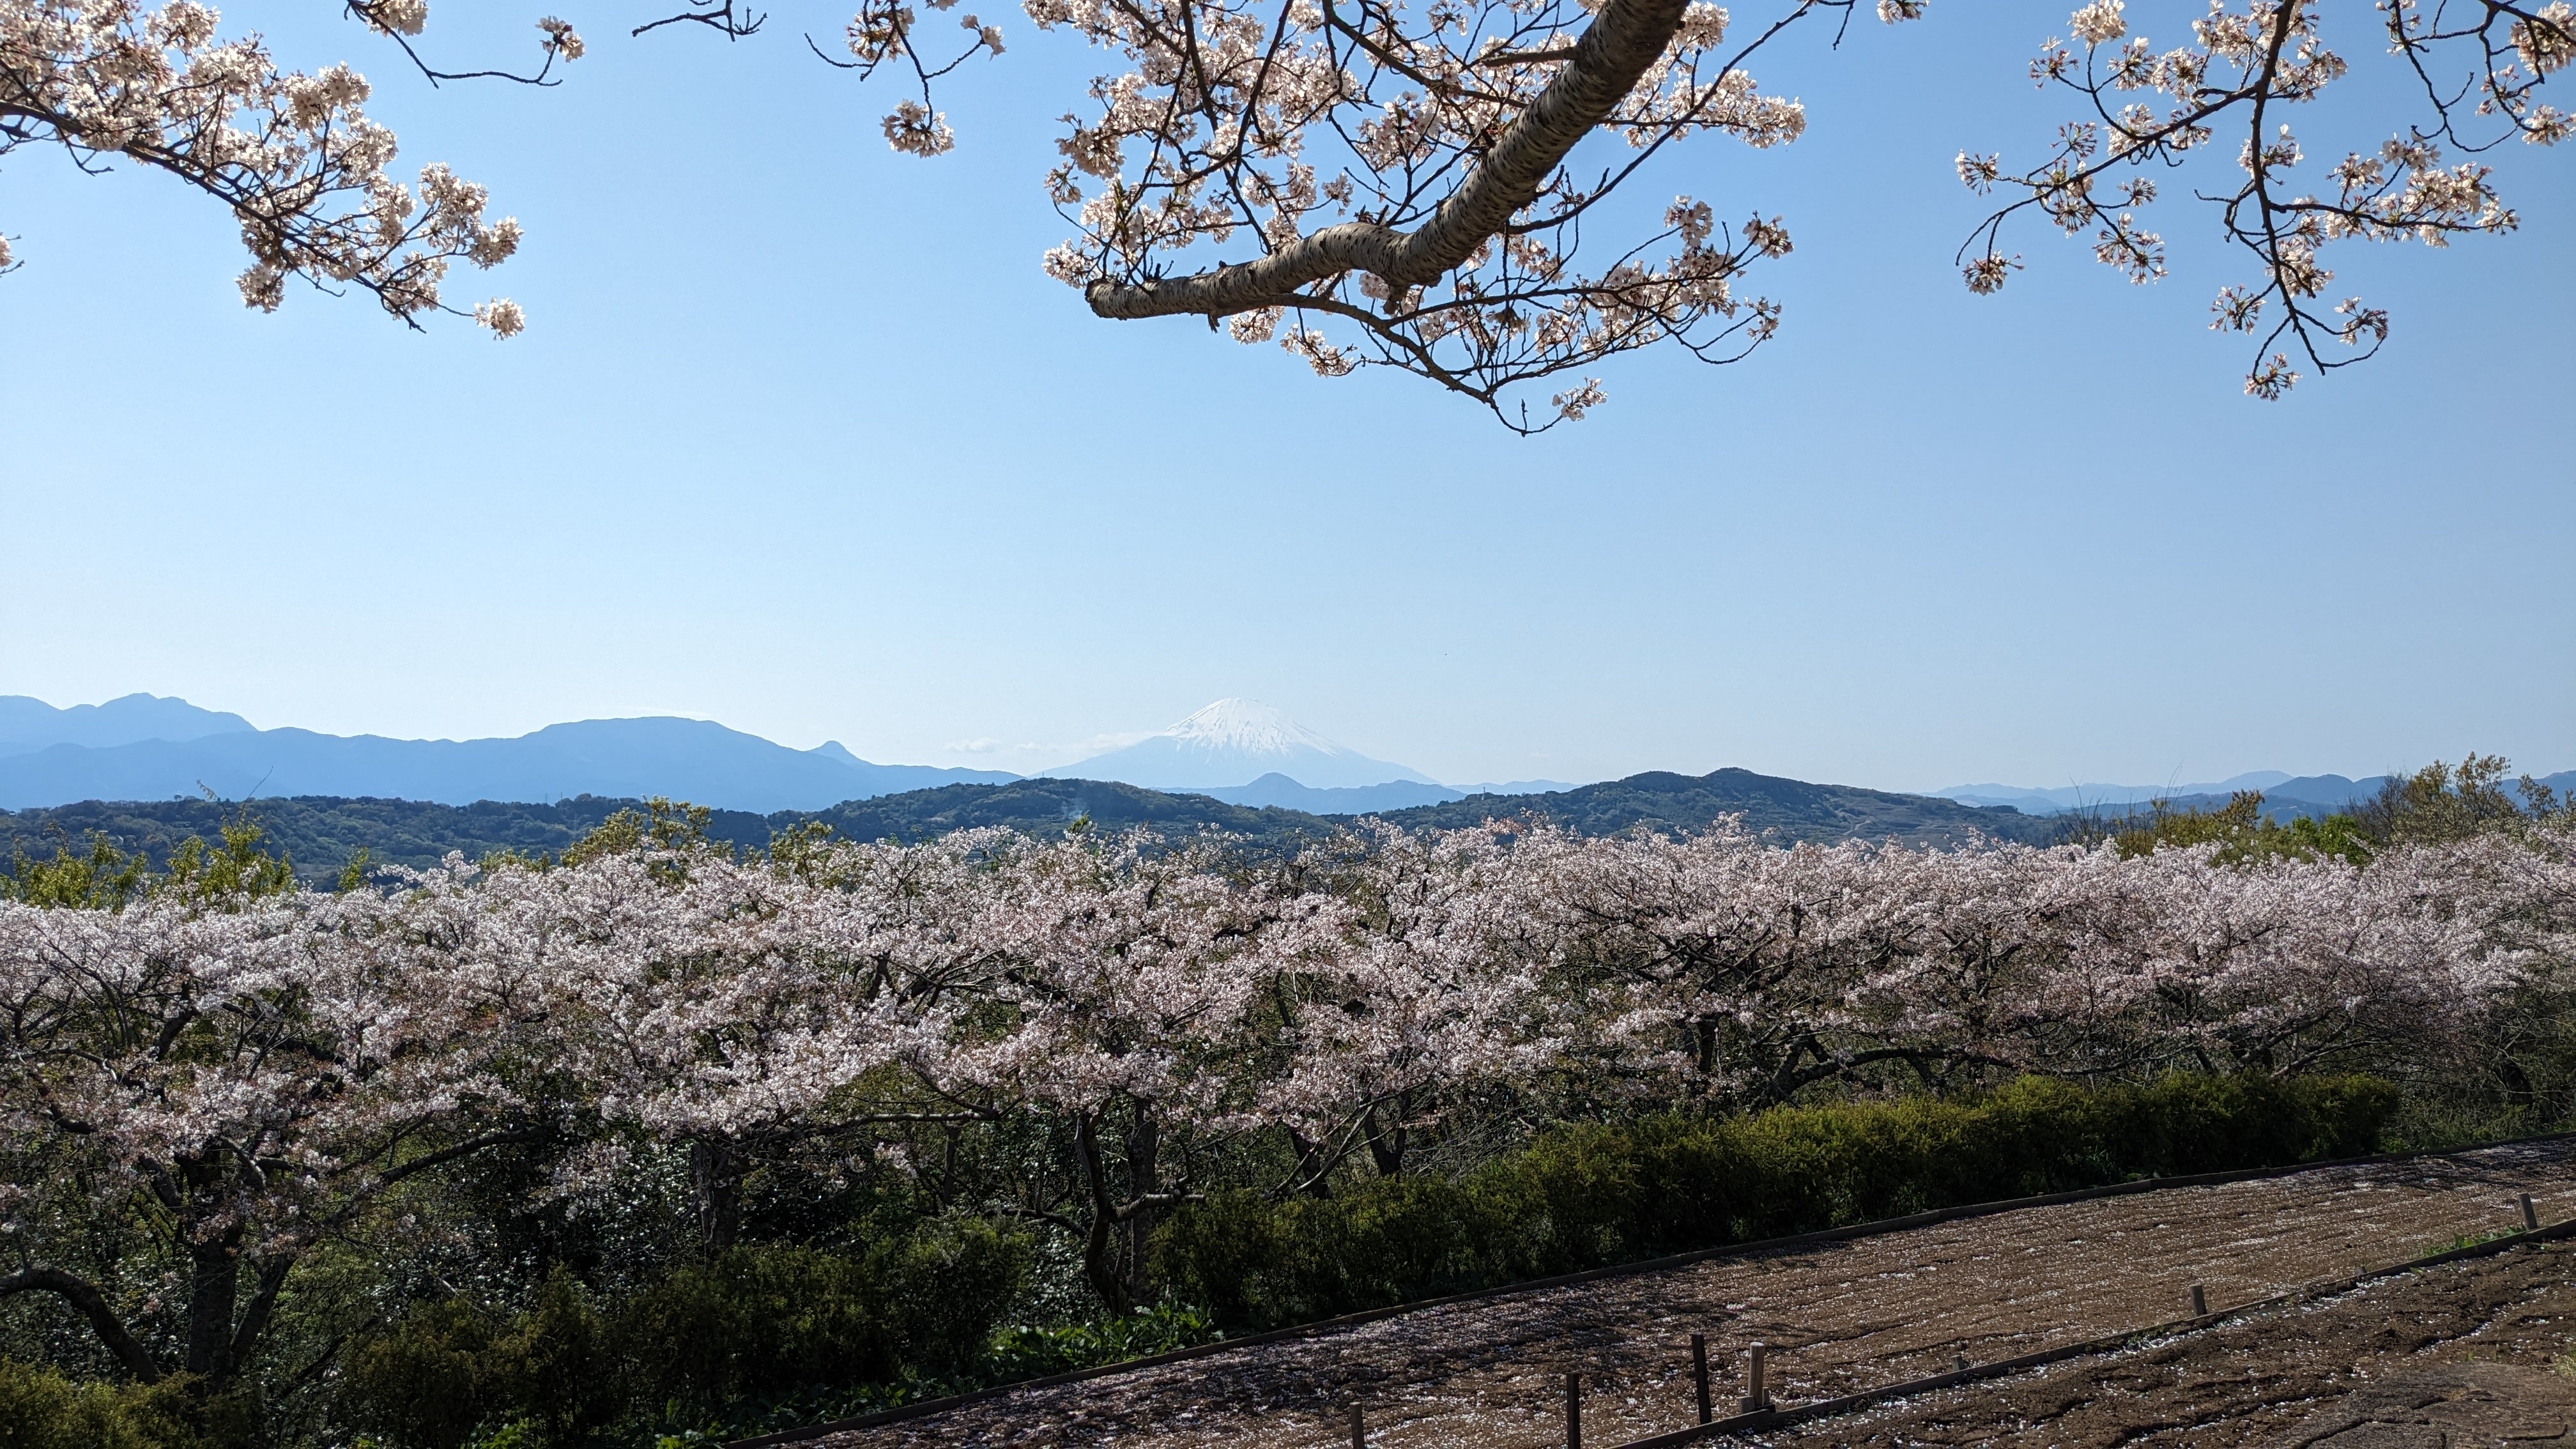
(1247, 725)
(1235, 742)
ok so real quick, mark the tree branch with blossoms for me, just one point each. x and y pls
(2250, 62)
(884, 29)
(293, 156)
(1449, 134)
(403, 20)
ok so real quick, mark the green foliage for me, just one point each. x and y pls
(325, 829)
(425, 1383)
(2442, 802)
(100, 878)
(2242, 833)
(2457, 1241)
(418, 834)
(104, 877)
(733, 1337)
(1590, 1195)
(1793, 809)
(241, 866)
(40, 1409)
(1026, 1352)
(662, 824)
(759, 1321)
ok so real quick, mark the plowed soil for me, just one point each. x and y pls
(1840, 1318)
(2438, 1359)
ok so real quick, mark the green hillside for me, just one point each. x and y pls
(319, 833)
(1796, 810)
(1044, 807)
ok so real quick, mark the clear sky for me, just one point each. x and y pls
(801, 439)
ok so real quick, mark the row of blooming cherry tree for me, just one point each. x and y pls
(242, 1080)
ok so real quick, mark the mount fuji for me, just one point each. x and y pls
(1234, 742)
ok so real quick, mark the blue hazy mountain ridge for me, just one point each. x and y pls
(1275, 789)
(1233, 742)
(2285, 796)
(31, 724)
(2321, 795)
(687, 759)
(2314, 796)
(2035, 801)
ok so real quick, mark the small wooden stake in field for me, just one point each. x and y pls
(1574, 1411)
(1756, 1397)
(1699, 1375)
(2530, 1215)
(1359, 1429)
(2199, 1302)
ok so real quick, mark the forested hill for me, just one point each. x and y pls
(320, 832)
(1045, 807)
(1795, 809)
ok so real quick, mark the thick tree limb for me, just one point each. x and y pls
(263, 1304)
(1628, 37)
(84, 1295)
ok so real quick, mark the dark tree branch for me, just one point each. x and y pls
(84, 1296)
(1626, 38)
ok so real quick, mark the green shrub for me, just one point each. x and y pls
(426, 1383)
(1592, 1195)
(757, 1320)
(715, 1339)
(556, 1370)
(448, 1374)
(949, 1282)
(1027, 1352)
(40, 1409)
(763, 1320)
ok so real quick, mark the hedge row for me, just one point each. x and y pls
(1590, 1196)
(709, 1343)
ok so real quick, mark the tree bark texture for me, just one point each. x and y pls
(1627, 37)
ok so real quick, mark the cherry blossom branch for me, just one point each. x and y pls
(2278, 58)
(400, 20)
(294, 157)
(1624, 38)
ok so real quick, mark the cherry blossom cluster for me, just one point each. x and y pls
(263, 1074)
(294, 156)
(1405, 178)
(2480, 66)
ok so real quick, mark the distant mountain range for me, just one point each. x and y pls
(2285, 796)
(31, 724)
(2086, 797)
(1237, 765)
(144, 747)
(1275, 789)
(48, 763)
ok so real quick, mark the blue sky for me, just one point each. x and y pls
(802, 440)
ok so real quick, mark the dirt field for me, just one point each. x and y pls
(1840, 1318)
(2441, 1359)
